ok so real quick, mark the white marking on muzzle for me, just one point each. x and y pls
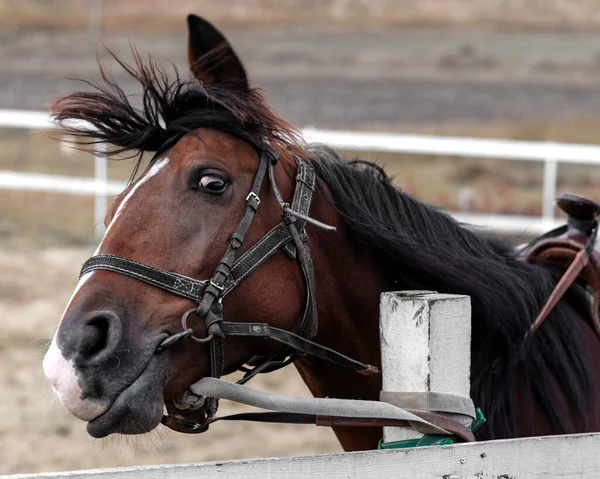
(61, 372)
(62, 376)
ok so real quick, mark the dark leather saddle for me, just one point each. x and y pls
(571, 247)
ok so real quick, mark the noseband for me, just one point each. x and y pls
(291, 237)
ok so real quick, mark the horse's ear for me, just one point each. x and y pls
(211, 57)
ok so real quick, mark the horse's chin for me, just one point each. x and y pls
(139, 408)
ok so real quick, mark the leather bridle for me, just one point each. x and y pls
(289, 236)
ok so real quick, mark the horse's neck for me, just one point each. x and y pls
(349, 283)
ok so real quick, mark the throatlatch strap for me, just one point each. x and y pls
(309, 324)
(305, 187)
(173, 282)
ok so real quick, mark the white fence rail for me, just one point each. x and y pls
(555, 456)
(12, 180)
(550, 153)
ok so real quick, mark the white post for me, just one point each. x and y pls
(549, 186)
(425, 346)
(101, 200)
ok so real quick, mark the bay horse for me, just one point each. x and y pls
(175, 235)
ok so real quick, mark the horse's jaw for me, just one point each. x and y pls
(139, 408)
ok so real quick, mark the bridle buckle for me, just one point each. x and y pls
(253, 200)
(218, 287)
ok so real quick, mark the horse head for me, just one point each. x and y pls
(188, 217)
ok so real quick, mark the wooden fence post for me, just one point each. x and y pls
(425, 346)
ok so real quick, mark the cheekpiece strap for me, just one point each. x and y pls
(280, 235)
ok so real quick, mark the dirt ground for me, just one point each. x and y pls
(36, 433)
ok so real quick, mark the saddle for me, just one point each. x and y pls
(570, 247)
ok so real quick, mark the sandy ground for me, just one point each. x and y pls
(36, 434)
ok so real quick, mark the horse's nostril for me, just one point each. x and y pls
(98, 334)
(93, 338)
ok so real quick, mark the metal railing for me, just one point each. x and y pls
(550, 153)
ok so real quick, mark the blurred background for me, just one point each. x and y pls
(507, 69)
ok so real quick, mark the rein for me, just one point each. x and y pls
(291, 237)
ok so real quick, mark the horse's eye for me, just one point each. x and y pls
(212, 184)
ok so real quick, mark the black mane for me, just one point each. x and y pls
(423, 248)
(169, 109)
